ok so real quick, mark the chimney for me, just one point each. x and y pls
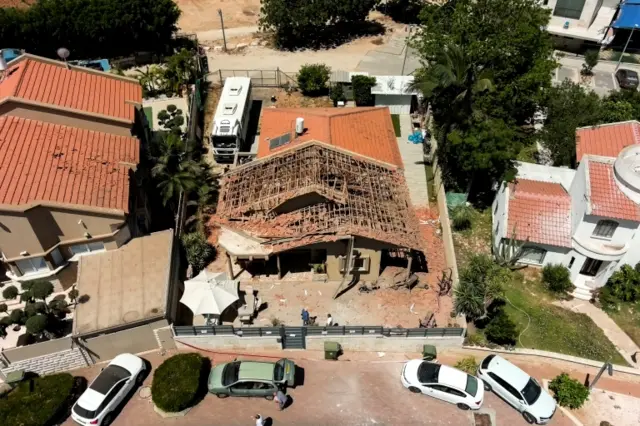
(299, 126)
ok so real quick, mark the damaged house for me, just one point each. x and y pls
(327, 186)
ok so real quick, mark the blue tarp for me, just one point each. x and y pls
(628, 16)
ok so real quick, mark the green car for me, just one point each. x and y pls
(251, 378)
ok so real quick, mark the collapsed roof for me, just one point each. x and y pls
(315, 192)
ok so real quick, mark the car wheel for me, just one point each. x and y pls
(487, 386)
(462, 406)
(140, 378)
(108, 419)
(414, 389)
(222, 395)
(529, 418)
(269, 397)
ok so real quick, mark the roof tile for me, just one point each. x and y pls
(365, 131)
(606, 140)
(540, 212)
(42, 162)
(607, 200)
(50, 82)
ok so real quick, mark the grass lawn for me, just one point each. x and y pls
(395, 118)
(552, 328)
(628, 319)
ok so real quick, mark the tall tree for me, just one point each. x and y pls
(501, 38)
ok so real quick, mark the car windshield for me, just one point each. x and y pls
(472, 385)
(278, 372)
(531, 391)
(84, 413)
(108, 378)
(230, 373)
(428, 373)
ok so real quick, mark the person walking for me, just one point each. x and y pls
(280, 398)
(259, 420)
(329, 320)
(305, 316)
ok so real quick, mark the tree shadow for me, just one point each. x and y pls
(330, 36)
(84, 298)
(298, 377)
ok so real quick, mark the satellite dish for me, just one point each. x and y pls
(63, 53)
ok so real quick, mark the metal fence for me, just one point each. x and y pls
(259, 78)
(228, 330)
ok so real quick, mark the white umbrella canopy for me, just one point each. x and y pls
(209, 293)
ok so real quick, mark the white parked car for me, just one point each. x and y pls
(97, 404)
(443, 382)
(518, 389)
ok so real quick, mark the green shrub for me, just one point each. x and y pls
(17, 317)
(3, 308)
(37, 324)
(313, 78)
(475, 339)
(362, 86)
(197, 249)
(337, 94)
(469, 365)
(624, 284)
(462, 217)
(569, 392)
(480, 284)
(10, 292)
(177, 382)
(501, 330)
(557, 278)
(41, 289)
(40, 401)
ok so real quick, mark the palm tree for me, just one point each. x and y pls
(206, 196)
(450, 72)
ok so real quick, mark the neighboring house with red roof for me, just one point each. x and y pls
(68, 155)
(333, 189)
(586, 219)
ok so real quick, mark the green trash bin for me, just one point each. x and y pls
(14, 378)
(429, 352)
(332, 350)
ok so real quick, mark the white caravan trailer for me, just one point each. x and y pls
(232, 118)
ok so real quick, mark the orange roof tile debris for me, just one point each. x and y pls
(540, 212)
(45, 81)
(365, 131)
(44, 162)
(18, 4)
(606, 140)
(606, 198)
(315, 192)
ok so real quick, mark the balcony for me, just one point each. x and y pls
(599, 249)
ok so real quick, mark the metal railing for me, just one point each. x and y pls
(229, 330)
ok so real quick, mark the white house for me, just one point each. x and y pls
(394, 91)
(575, 22)
(586, 219)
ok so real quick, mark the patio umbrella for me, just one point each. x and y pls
(209, 293)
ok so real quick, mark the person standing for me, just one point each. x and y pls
(280, 398)
(259, 420)
(329, 320)
(305, 316)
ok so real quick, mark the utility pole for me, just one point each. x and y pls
(224, 38)
(625, 46)
(606, 366)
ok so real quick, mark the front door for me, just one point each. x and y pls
(590, 267)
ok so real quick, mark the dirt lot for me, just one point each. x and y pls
(202, 15)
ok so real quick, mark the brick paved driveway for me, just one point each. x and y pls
(334, 393)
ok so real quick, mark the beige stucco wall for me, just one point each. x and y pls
(39, 229)
(65, 118)
(43, 348)
(132, 340)
(381, 343)
(366, 247)
(234, 343)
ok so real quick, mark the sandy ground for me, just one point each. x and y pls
(202, 15)
(616, 408)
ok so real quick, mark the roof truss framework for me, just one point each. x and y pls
(359, 197)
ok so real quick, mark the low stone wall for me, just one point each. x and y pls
(381, 343)
(52, 363)
(235, 343)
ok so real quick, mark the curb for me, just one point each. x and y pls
(574, 419)
(557, 356)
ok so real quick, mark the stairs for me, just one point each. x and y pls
(583, 291)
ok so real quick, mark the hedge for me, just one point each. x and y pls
(177, 382)
(44, 405)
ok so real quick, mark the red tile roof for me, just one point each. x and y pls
(540, 212)
(18, 4)
(365, 131)
(49, 82)
(606, 140)
(44, 162)
(607, 200)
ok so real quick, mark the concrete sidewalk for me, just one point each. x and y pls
(619, 338)
(414, 168)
